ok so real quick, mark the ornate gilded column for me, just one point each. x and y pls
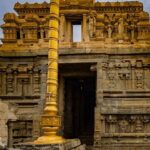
(51, 122)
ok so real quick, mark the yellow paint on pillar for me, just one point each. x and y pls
(51, 121)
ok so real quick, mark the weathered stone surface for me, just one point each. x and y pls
(2, 143)
(115, 46)
(69, 144)
(6, 113)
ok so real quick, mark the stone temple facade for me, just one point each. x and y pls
(104, 79)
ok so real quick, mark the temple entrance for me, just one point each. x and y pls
(79, 108)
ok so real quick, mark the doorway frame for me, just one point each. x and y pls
(61, 94)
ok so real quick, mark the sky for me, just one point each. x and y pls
(7, 6)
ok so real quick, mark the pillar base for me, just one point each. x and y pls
(66, 145)
(50, 140)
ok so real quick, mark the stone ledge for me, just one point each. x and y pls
(68, 145)
(123, 147)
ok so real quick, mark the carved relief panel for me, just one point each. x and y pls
(126, 74)
(21, 131)
(123, 27)
(23, 85)
(139, 79)
(127, 123)
(36, 81)
(23, 81)
(91, 25)
(9, 81)
(111, 75)
(20, 80)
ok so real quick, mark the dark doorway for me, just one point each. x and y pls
(79, 108)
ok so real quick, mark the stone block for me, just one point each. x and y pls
(69, 144)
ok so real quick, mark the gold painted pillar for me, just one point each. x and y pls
(51, 122)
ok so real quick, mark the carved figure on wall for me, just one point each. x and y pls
(124, 75)
(139, 126)
(139, 79)
(123, 126)
(111, 76)
(92, 25)
(109, 29)
(121, 26)
(132, 31)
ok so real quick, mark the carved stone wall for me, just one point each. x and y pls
(22, 84)
(127, 124)
(20, 80)
(126, 74)
(123, 96)
(7, 112)
(115, 38)
(106, 22)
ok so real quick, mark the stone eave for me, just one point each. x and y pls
(28, 52)
(74, 11)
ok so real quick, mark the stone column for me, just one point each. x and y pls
(147, 78)
(36, 126)
(10, 134)
(62, 27)
(84, 28)
(132, 34)
(21, 34)
(69, 33)
(99, 84)
(43, 87)
(36, 82)
(3, 121)
(61, 97)
(99, 100)
(42, 33)
(4, 83)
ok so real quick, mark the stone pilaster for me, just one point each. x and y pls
(84, 27)
(62, 27)
(4, 83)
(99, 84)
(36, 82)
(10, 80)
(42, 33)
(99, 100)
(43, 87)
(69, 31)
(10, 134)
